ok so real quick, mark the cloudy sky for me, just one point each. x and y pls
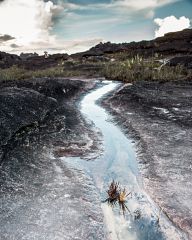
(76, 25)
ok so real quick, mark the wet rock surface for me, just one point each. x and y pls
(20, 108)
(158, 116)
(41, 197)
(47, 105)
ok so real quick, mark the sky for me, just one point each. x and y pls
(76, 25)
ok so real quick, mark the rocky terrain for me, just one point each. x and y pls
(40, 120)
(31, 62)
(41, 197)
(20, 108)
(186, 61)
(46, 105)
(170, 45)
(158, 116)
(7, 60)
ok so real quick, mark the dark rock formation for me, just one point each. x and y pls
(33, 184)
(55, 88)
(170, 44)
(7, 60)
(185, 61)
(20, 107)
(25, 56)
(28, 103)
(176, 43)
(40, 62)
(31, 62)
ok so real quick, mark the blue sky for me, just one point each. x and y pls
(76, 25)
(115, 24)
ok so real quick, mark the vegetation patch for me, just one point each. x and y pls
(150, 69)
(18, 73)
(118, 66)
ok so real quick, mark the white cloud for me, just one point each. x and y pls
(132, 4)
(140, 4)
(57, 46)
(171, 24)
(145, 8)
(27, 22)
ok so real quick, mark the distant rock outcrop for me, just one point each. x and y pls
(7, 60)
(40, 62)
(172, 44)
(169, 44)
(25, 56)
(31, 61)
(185, 61)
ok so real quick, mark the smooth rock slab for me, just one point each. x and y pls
(20, 107)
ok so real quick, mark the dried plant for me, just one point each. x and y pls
(117, 196)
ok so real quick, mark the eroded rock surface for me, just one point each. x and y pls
(41, 196)
(20, 108)
(158, 116)
(49, 104)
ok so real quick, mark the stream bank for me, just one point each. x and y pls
(158, 117)
(41, 197)
(49, 192)
(44, 105)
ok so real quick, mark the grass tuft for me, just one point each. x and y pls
(137, 68)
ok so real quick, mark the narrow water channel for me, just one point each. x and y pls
(47, 198)
(118, 161)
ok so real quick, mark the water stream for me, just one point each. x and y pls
(145, 220)
(47, 198)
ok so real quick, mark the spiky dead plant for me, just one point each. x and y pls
(113, 193)
(117, 196)
(122, 200)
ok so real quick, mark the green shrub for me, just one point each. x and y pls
(129, 70)
(17, 73)
(13, 73)
(137, 68)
